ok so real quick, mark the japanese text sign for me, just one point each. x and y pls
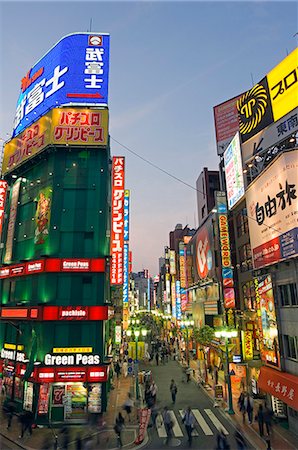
(3, 190)
(14, 198)
(226, 123)
(125, 276)
(126, 214)
(234, 171)
(61, 126)
(74, 72)
(280, 384)
(272, 205)
(117, 222)
(247, 343)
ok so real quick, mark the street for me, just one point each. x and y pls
(209, 420)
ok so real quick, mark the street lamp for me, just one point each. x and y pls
(226, 335)
(186, 324)
(135, 333)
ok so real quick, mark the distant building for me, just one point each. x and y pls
(207, 184)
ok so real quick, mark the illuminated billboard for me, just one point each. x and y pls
(14, 199)
(117, 222)
(226, 123)
(75, 71)
(204, 251)
(234, 171)
(126, 214)
(125, 276)
(3, 190)
(61, 126)
(272, 204)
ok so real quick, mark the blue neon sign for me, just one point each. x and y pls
(178, 301)
(73, 72)
(126, 214)
(125, 275)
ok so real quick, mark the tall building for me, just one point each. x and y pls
(54, 278)
(207, 184)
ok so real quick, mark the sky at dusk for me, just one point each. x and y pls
(170, 63)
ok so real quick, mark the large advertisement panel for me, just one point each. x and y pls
(125, 276)
(61, 126)
(74, 72)
(43, 216)
(204, 252)
(272, 205)
(12, 221)
(3, 191)
(234, 171)
(226, 123)
(126, 214)
(117, 222)
(270, 347)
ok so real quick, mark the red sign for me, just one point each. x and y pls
(3, 190)
(17, 271)
(57, 395)
(70, 374)
(35, 267)
(144, 416)
(280, 384)
(117, 222)
(267, 253)
(229, 297)
(43, 399)
(226, 123)
(41, 313)
(73, 312)
(81, 373)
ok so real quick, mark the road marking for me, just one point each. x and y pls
(176, 428)
(194, 431)
(161, 429)
(215, 421)
(201, 421)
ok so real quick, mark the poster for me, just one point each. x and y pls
(43, 399)
(28, 396)
(76, 401)
(57, 395)
(42, 216)
(94, 398)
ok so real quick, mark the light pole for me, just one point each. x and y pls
(135, 333)
(227, 334)
(186, 324)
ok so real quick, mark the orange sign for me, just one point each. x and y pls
(224, 240)
(247, 343)
(61, 126)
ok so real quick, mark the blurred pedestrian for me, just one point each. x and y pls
(78, 442)
(157, 358)
(260, 418)
(222, 441)
(173, 390)
(241, 445)
(117, 369)
(26, 419)
(268, 413)
(118, 427)
(189, 421)
(168, 423)
(153, 390)
(241, 405)
(154, 414)
(125, 368)
(128, 404)
(188, 374)
(249, 407)
(65, 438)
(10, 413)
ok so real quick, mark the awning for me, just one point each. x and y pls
(282, 385)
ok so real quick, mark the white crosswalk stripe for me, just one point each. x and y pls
(176, 428)
(194, 431)
(215, 421)
(161, 429)
(201, 421)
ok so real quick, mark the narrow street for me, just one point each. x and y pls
(208, 419)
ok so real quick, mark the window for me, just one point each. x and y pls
(245, 258)
(288, 295)
(291, 346)
(249, 295)
(242, 223)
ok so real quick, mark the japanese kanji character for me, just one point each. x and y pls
(293, 121)
(260, 214)
(20, 112)
(95, 118)
(270, 206)
(291, 192)
(94, 54)
(35, 97)
(277, 387)
(284, 390)
(282, 128)
(93, 68)
(281, 196)
(54, 81)
(94, 82)
(291, 394)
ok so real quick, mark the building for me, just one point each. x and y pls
(54, 277)
(206, 184)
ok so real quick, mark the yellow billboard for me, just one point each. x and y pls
(283, 86)
(61, 126)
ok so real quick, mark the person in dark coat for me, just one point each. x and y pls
(260, 419)
(10, 413)
(239, 438)
(268, 413)
(26, 419)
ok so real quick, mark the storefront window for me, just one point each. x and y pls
(291, 346)
(28, 396)
(94, 398)
(245, 258)
(242, 223)
(288, 295)
(76, 401)
(249, 295)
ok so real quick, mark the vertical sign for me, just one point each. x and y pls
(125, 276)
(173, 291)
(178, 300)
(117, 228)
(12, 220)
(126, 214)
(3, 190)
(172, 262)
(43, 399)
(149, 294)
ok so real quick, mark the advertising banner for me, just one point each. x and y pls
(178, 300)
(43, 399)
(234, 171)
(204, 251)
(173, 294)
(12, 220)
(247, 345)
(94, 398)
(144, 416)
(43, 216)
(172, 262)
(272, 204)
(226, 123)
(125, 276)
(3, 190)
(270, 136)
(117, 222)
(270, 347)
(74, 71)
(126, 214)
(61, 126)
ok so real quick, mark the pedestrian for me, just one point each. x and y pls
(268, 413)
(168, 423)
(241, 405)
(189, 421)
(210, 370)
(154, 414)
(117, 369)
(222, 441)
(157, 358)
(249, 407)
(153, 390)
(173, 390)
(26, 419)
(174, 354)
(260, 418)
(65, 438)
(78, 442)
(118, 427)
(10, 413)
(128, 404)
(125, 368)
(239, 439)
(216, 374)
(188, 374)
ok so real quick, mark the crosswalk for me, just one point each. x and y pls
(207, 423)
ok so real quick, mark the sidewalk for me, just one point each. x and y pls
(280, 439)
(101, 437)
